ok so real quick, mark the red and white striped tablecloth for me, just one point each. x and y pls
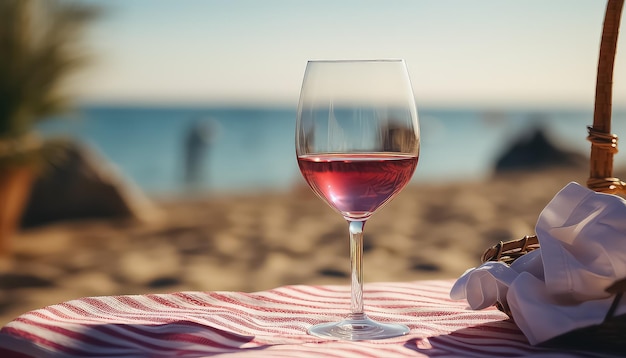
(270, 323)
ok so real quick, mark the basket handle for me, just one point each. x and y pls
(603, 143)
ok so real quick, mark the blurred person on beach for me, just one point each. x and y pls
(199, 137)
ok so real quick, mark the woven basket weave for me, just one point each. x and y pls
(610, 336)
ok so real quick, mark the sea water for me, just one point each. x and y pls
(250, 149)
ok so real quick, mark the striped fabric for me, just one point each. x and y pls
(263, 324)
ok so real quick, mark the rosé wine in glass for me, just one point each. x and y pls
(356, 185)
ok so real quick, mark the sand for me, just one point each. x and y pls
(259, 241)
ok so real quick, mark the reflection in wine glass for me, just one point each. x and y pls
(357, 145)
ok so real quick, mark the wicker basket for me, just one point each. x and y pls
(610, 336)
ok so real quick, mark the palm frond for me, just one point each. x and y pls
(40, 47)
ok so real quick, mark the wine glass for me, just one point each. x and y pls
(357, 145)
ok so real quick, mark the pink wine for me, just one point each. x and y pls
(357, 184)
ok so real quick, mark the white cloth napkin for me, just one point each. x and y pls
(560, 286)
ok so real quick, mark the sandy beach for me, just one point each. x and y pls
(257, 242)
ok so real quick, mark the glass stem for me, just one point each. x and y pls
(356, 267)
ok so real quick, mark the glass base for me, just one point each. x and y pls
(358, 328)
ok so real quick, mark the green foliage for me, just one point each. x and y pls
(40, 46)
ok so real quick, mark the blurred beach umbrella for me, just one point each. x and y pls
(40, 46)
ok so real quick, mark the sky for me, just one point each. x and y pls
(495, 53)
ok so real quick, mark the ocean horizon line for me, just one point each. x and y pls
(453, 106)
